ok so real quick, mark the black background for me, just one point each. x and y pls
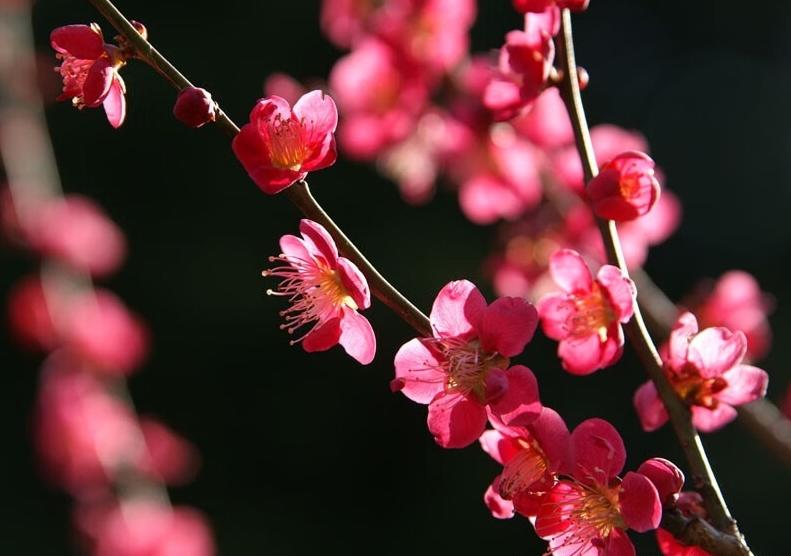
(312, 453)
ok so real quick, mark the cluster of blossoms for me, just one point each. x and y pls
(504, 142)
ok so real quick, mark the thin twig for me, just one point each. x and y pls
(702, 475)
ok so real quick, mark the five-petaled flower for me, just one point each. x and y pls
(625, 187)
(705, 368)
(281, 145)
(325, 290)
(586, 316)
(89, 69)
(462, 372)
(588, 512)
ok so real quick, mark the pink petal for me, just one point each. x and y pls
(710, 420)
(582, 355)
(553, 435)
(81, 41)
(318, 114)
(745, 384)
(319, 241)
(457, 309)
(455, 421)
(715, 350)
(569, 271)
(296, 250)
(323, 336)
(520, 404)
(666, 477)
(98, 82)
(501, 448)
(419, 371)
(507, 325)
(650, 408)
(114, 103)
(621, 291)
(499, 506)
(640, 504)
(599, 451)
(354, 283)
(684, 330)
(357, 336)
(555, 310)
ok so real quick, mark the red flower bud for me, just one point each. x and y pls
(194, 107)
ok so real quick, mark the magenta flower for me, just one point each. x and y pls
(531, 457)
(464, 368)
(90, 70)
(281, 145)
(586, 316)
(705, 368)
(625, 187)
(588, 512)
(325, 290)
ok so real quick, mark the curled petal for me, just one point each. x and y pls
(357, 336)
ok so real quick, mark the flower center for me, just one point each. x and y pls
(467, 367)
(523, 470)
(314, 290)
(592, 315)
(285, 140)
(696, 390)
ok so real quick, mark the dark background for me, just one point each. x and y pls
(312, 453)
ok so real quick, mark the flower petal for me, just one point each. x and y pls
(745, 384)
(457, 309)
(640, 504)
(81, 41)
(420, 374)
(357, 336)
(520, 405)
(456, 421)
(115, 103)
(569, 271)
(507, 325)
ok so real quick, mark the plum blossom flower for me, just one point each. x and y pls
(625, 187)
(586, 316)
(531, 457)
(90, 70)
(464, 369)
(282, 144)
(705, 368)
(588, 512)
(325, 290)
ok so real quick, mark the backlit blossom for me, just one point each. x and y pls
(705, 368)
(464, 369)
(586, 316)
(282, 144)
(89, 69)
(588, 512)
(325, 291)
(531, 457)
(625, 187)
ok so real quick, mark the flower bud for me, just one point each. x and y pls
(194, 107)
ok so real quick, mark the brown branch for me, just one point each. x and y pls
(636, 330)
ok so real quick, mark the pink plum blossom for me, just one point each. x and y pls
(736, 302)
(586, 316)
(625, 187)
(282, 144)
(531, 457)
(325, 291)
(705, 368)
(588, 512)
(89, 69)
(464, 369)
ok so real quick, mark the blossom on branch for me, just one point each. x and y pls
(625, 187)
(282, 144)
(325, 291)
(90, 70)
(463, 371)
(588, 512)
(705, 368)
(586, 316)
